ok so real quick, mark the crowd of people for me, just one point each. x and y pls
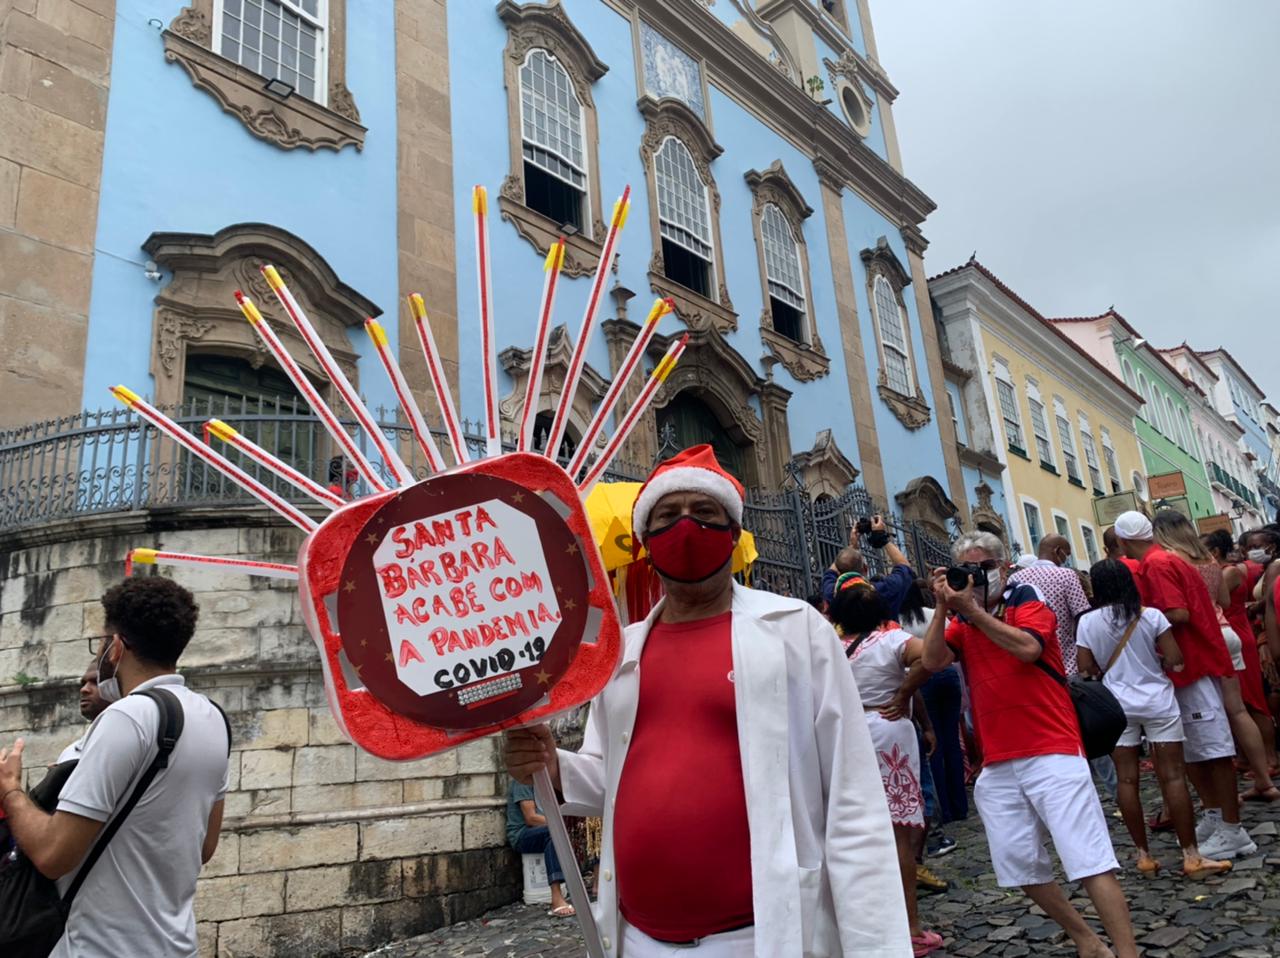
(772, 774)
(738, 816)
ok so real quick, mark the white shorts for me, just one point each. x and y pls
(1157, 730)
(1204, 721)
(1026, 801)
(1234, 648)
(740, 943)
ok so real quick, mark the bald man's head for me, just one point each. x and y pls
(1055, 548)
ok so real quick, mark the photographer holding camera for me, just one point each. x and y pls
(893, 587)
(1035, 782)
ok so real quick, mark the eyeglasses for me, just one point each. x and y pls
(95, 641)
(988, 564)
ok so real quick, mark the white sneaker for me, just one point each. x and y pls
(1208, 823)
(1228, 841)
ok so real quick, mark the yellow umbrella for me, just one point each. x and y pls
(609, 506)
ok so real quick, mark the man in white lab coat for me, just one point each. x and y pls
(730, 759)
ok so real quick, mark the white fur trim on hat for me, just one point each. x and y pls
(685, 479)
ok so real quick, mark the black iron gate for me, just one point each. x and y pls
(798, 539)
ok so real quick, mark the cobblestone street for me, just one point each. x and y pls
(1237, 915)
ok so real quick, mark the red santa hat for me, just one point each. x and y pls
(693, 470)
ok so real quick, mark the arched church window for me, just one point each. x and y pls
(891, 321)
(684, 219)
(552, 187)
(785, 276)
(555, 165)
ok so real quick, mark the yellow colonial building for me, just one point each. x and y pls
(1046, 416)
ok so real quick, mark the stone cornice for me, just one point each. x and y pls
(740, 71)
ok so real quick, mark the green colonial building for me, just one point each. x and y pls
(1163, 426)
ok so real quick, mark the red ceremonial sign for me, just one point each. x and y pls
(458, 606)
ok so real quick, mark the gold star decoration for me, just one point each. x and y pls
(572, 548)
(570, 604)
(371, 538)
(517, 497)
(364, 643)
(389, 657)
(349, 585)
(542, 676)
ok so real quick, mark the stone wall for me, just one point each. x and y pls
(55, 66)
(325, 850)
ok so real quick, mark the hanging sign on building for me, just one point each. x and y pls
(1168, 485)
(1221, 521)
(1106, 509)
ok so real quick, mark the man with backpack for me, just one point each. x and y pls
(154, 773)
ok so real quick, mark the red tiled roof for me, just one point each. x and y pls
(1183, 347)
(1209, 352)
(1112, 314)
(1048, 324)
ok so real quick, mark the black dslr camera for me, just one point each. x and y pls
(958, 575)
(863, 526)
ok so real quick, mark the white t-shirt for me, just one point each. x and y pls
(879, 665)
(138, 898)
(1137, 679)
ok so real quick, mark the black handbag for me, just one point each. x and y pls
(1102, 719)
(32, 915)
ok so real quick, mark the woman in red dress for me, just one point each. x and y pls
(1239, 580)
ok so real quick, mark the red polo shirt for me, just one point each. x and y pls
(1018, 710)
(681, 843)
(1167, 581)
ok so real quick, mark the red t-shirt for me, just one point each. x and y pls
(1131, 564)
(1018, 710)
(1167, 581)
(682, 846)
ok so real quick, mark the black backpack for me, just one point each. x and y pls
(32, 916)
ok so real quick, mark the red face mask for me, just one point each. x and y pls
(689, 550)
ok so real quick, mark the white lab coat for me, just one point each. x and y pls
(824, 869)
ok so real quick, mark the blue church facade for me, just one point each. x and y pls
(767, 201)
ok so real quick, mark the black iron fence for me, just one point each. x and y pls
(799, 538)
(109, 461)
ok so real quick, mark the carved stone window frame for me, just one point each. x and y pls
(535, 26)
(912, 411)
(288, 123)
(772, 186)
(197, 310)
(592, 386)
(670, 118)
(824, 469)
(847, 75)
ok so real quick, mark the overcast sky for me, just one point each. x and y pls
(1099, 152)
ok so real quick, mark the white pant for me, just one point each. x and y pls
(730, 944)
(1025, 801)
(1204, 721)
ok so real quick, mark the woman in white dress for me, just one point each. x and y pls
(882, 657)
(1130, 646)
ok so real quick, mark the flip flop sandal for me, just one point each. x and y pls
(1148, 867)
(562, 911)
(1158, 824)
(1253, 795)
(925, 943)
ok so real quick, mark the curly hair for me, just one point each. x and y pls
(858, 609)
(155, 616)
(1219, 542)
